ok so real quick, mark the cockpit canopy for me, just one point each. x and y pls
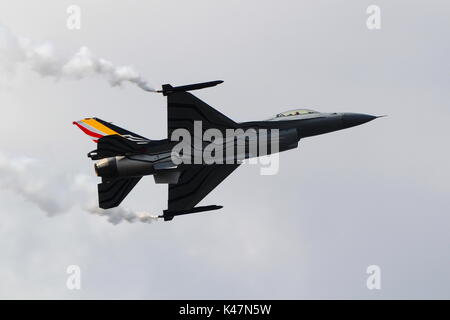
(297, 112)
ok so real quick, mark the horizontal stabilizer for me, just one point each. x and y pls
(112, 192)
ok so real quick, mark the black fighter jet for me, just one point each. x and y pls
(192, 168)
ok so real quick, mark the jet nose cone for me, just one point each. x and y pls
(355, 119)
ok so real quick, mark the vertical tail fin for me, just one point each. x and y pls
(97, 128)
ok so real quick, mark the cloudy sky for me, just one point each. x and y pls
(377, 194)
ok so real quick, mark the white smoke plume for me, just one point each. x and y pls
(41, 58)
(57, 195)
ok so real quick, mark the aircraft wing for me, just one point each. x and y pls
(195, 182)
(184, 108)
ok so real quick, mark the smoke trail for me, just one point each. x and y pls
(41, 58)
(57, 195)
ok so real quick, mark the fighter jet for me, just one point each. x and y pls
(124, 157)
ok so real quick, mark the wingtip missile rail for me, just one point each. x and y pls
(168, 89)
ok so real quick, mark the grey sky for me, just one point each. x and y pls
(375, 194)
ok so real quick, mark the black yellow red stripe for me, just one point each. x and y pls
(94, 128)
